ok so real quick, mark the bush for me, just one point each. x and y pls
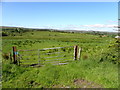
(111, 54)
(4, 34)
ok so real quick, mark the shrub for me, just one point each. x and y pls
(6, 56)
(4, 34)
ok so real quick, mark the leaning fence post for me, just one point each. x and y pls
(75, 52)
(15, 55)
(79, 53)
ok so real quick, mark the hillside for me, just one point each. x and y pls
(97, 67)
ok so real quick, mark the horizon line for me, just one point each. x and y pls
(58, 29)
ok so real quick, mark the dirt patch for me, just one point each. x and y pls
(81, 83)
(60, 86)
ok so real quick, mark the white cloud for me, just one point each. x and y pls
(111, 21)
(100, 25)
(95, 27)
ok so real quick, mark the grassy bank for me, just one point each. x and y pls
(98, 67)
(102, 75)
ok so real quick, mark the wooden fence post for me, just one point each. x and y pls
(75, 52)
(15, 55)
(79, 53)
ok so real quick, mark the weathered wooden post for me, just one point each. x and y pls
(15, 55)
(75, 52)
(79, 53)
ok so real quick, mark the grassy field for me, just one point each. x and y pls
(97, 68)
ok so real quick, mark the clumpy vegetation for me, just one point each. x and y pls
(97, 67)
(99, 75)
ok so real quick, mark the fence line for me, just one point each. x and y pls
(52, 53)
(50, 57)
(71, 53)
(55, 48)
(45, 49)
(58, 56)
(28, 50)
(56, 59)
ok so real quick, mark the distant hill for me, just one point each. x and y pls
(22, 29)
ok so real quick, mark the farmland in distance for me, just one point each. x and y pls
(97, 67)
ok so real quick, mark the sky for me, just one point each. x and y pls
(99, 16)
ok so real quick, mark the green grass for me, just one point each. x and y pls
(98, 62)
(104, 74)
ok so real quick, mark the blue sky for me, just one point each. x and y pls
(101, 16)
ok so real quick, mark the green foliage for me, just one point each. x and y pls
(98, 63)
(4, 34)
(10, 71)
(111, 54)
(51, 75)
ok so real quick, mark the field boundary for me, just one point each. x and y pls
(61, 55)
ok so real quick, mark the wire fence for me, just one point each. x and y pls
(58, 55)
